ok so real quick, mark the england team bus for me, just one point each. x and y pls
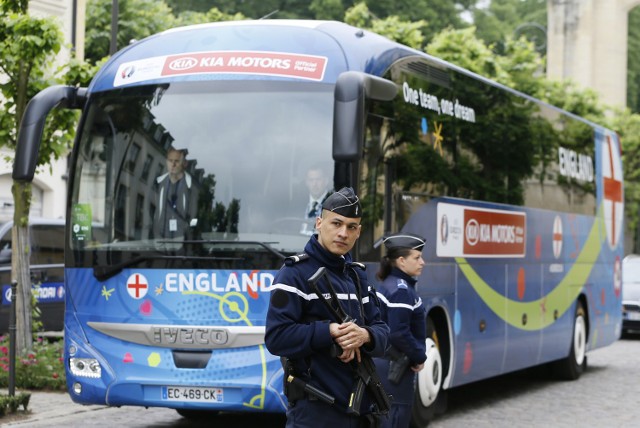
(167, 285)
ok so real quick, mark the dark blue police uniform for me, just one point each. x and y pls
(297, 327)
(402, 309)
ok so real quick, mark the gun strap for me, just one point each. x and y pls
(337, 313)
(359, 294)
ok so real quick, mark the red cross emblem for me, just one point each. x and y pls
(612, 187)
(137, 286)
(557, 237)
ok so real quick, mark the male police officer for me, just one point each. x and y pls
(301, 328)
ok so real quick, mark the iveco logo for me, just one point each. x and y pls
(181, 336)
(183, 63)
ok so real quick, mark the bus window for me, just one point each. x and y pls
(251, 190)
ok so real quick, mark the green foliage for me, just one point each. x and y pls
(463, 48)
(41, 368)
(523, 64)
(438, 14)
(327, 9)
(11, 404)
(569, 96)
(633, 61)
(28, 46)
(212, 15)
(511, 19)
(138, 19)
(407, 33)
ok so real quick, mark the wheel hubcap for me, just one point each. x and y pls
(579, 340)
(430, 378)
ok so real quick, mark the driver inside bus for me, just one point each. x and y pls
(318, 185)
(173, 216)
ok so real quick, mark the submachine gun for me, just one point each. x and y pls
(365, 370)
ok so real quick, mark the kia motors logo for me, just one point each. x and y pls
(184, 63)
(472, 232)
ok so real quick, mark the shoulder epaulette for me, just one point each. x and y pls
(359, 265)
(291, 260)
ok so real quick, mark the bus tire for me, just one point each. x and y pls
(571, 367)
(430, 399)
(196, 415)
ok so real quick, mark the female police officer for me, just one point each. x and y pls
(403, 311)
(303, 329)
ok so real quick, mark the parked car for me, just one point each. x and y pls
(631, 294)
(47, 271)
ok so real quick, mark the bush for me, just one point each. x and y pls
(42, 368)
(10, 404)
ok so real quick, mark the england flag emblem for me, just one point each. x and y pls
(557, 237)
(612, 189)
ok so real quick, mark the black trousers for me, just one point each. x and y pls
(307, 413)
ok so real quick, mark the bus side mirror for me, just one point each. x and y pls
(32, 125)
(352, 90)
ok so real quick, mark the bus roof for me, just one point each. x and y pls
(342, 46)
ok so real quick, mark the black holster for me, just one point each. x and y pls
(292, 393)
(398, 365)
(296, 389)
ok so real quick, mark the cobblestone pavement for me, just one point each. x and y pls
(606, 395)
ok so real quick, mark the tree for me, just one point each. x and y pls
(511, 19)
(138, 19)
(633, 61)
(28, 46)
(392, 27)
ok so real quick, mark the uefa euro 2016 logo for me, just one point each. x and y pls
(444, 229)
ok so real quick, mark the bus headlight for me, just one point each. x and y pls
(85, 367)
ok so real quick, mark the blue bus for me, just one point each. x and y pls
(521, 204)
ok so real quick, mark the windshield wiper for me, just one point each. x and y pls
(264, 245)
(102, 273)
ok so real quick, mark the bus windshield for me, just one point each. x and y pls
(200, 168)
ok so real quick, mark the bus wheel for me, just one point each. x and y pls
(571, 368)
(196, 415)
(430, 399)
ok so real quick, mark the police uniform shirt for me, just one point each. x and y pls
(405, 314)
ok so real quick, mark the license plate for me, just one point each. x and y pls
(193, 394)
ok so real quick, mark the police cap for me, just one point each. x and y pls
(344, 202)
(404, 240)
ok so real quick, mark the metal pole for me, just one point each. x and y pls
(12, 340)
(114, 27)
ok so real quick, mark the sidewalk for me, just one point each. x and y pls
(44, 406)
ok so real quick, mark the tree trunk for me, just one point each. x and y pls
(20, 265)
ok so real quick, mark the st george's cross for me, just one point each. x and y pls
(612, 186)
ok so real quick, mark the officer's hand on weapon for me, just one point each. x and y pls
(349, 335)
